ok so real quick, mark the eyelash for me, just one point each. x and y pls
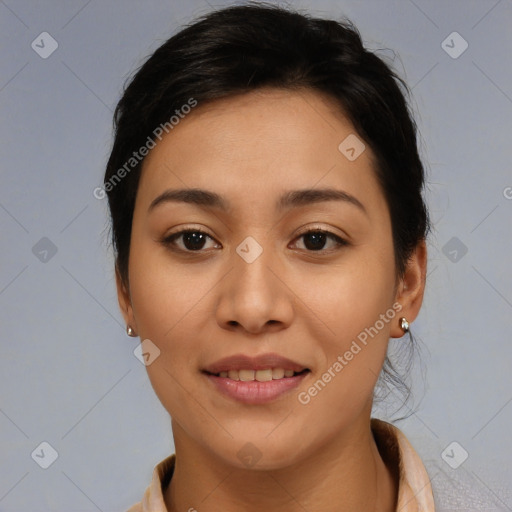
(169, 241)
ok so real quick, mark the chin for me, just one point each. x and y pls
(259, 453)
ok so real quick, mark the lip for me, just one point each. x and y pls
(254, 392)
(261, 362)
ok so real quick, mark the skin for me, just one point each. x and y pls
(307, 305)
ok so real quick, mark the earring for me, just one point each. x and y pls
(404, 324)
(130, 331)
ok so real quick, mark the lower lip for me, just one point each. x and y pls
(254, 392)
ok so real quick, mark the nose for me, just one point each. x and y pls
(254, 295)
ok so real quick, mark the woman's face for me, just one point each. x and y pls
(256, 290)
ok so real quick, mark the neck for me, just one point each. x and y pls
(346, 474)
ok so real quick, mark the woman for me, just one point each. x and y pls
(270, 234)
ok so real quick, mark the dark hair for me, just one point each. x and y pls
(242, 48)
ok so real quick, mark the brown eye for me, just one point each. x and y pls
(193, 240)
(315, 240)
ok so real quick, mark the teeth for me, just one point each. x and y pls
(246, 375)
(233, 375)
(277, 373)
(263, 375)
(259, 375)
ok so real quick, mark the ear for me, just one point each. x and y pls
(125, 302)
(411, 288)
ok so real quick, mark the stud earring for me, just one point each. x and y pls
(130, 331)
(404, 324)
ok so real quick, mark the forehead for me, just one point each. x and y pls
(268, 140)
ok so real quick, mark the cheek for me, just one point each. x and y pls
(171, 307)
(162, 317)
(164, 294)
(352, 295)
(356, 303)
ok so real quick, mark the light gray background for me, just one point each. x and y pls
(67, 369)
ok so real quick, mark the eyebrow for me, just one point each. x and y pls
(290, 199)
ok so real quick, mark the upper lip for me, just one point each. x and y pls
(261, 362)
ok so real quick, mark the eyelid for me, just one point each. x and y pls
(186, 228)
(323, 229)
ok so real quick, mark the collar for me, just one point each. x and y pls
(414, 489)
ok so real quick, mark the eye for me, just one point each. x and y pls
(193, 240)
(315, 240)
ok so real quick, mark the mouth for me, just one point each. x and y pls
(255, 380)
